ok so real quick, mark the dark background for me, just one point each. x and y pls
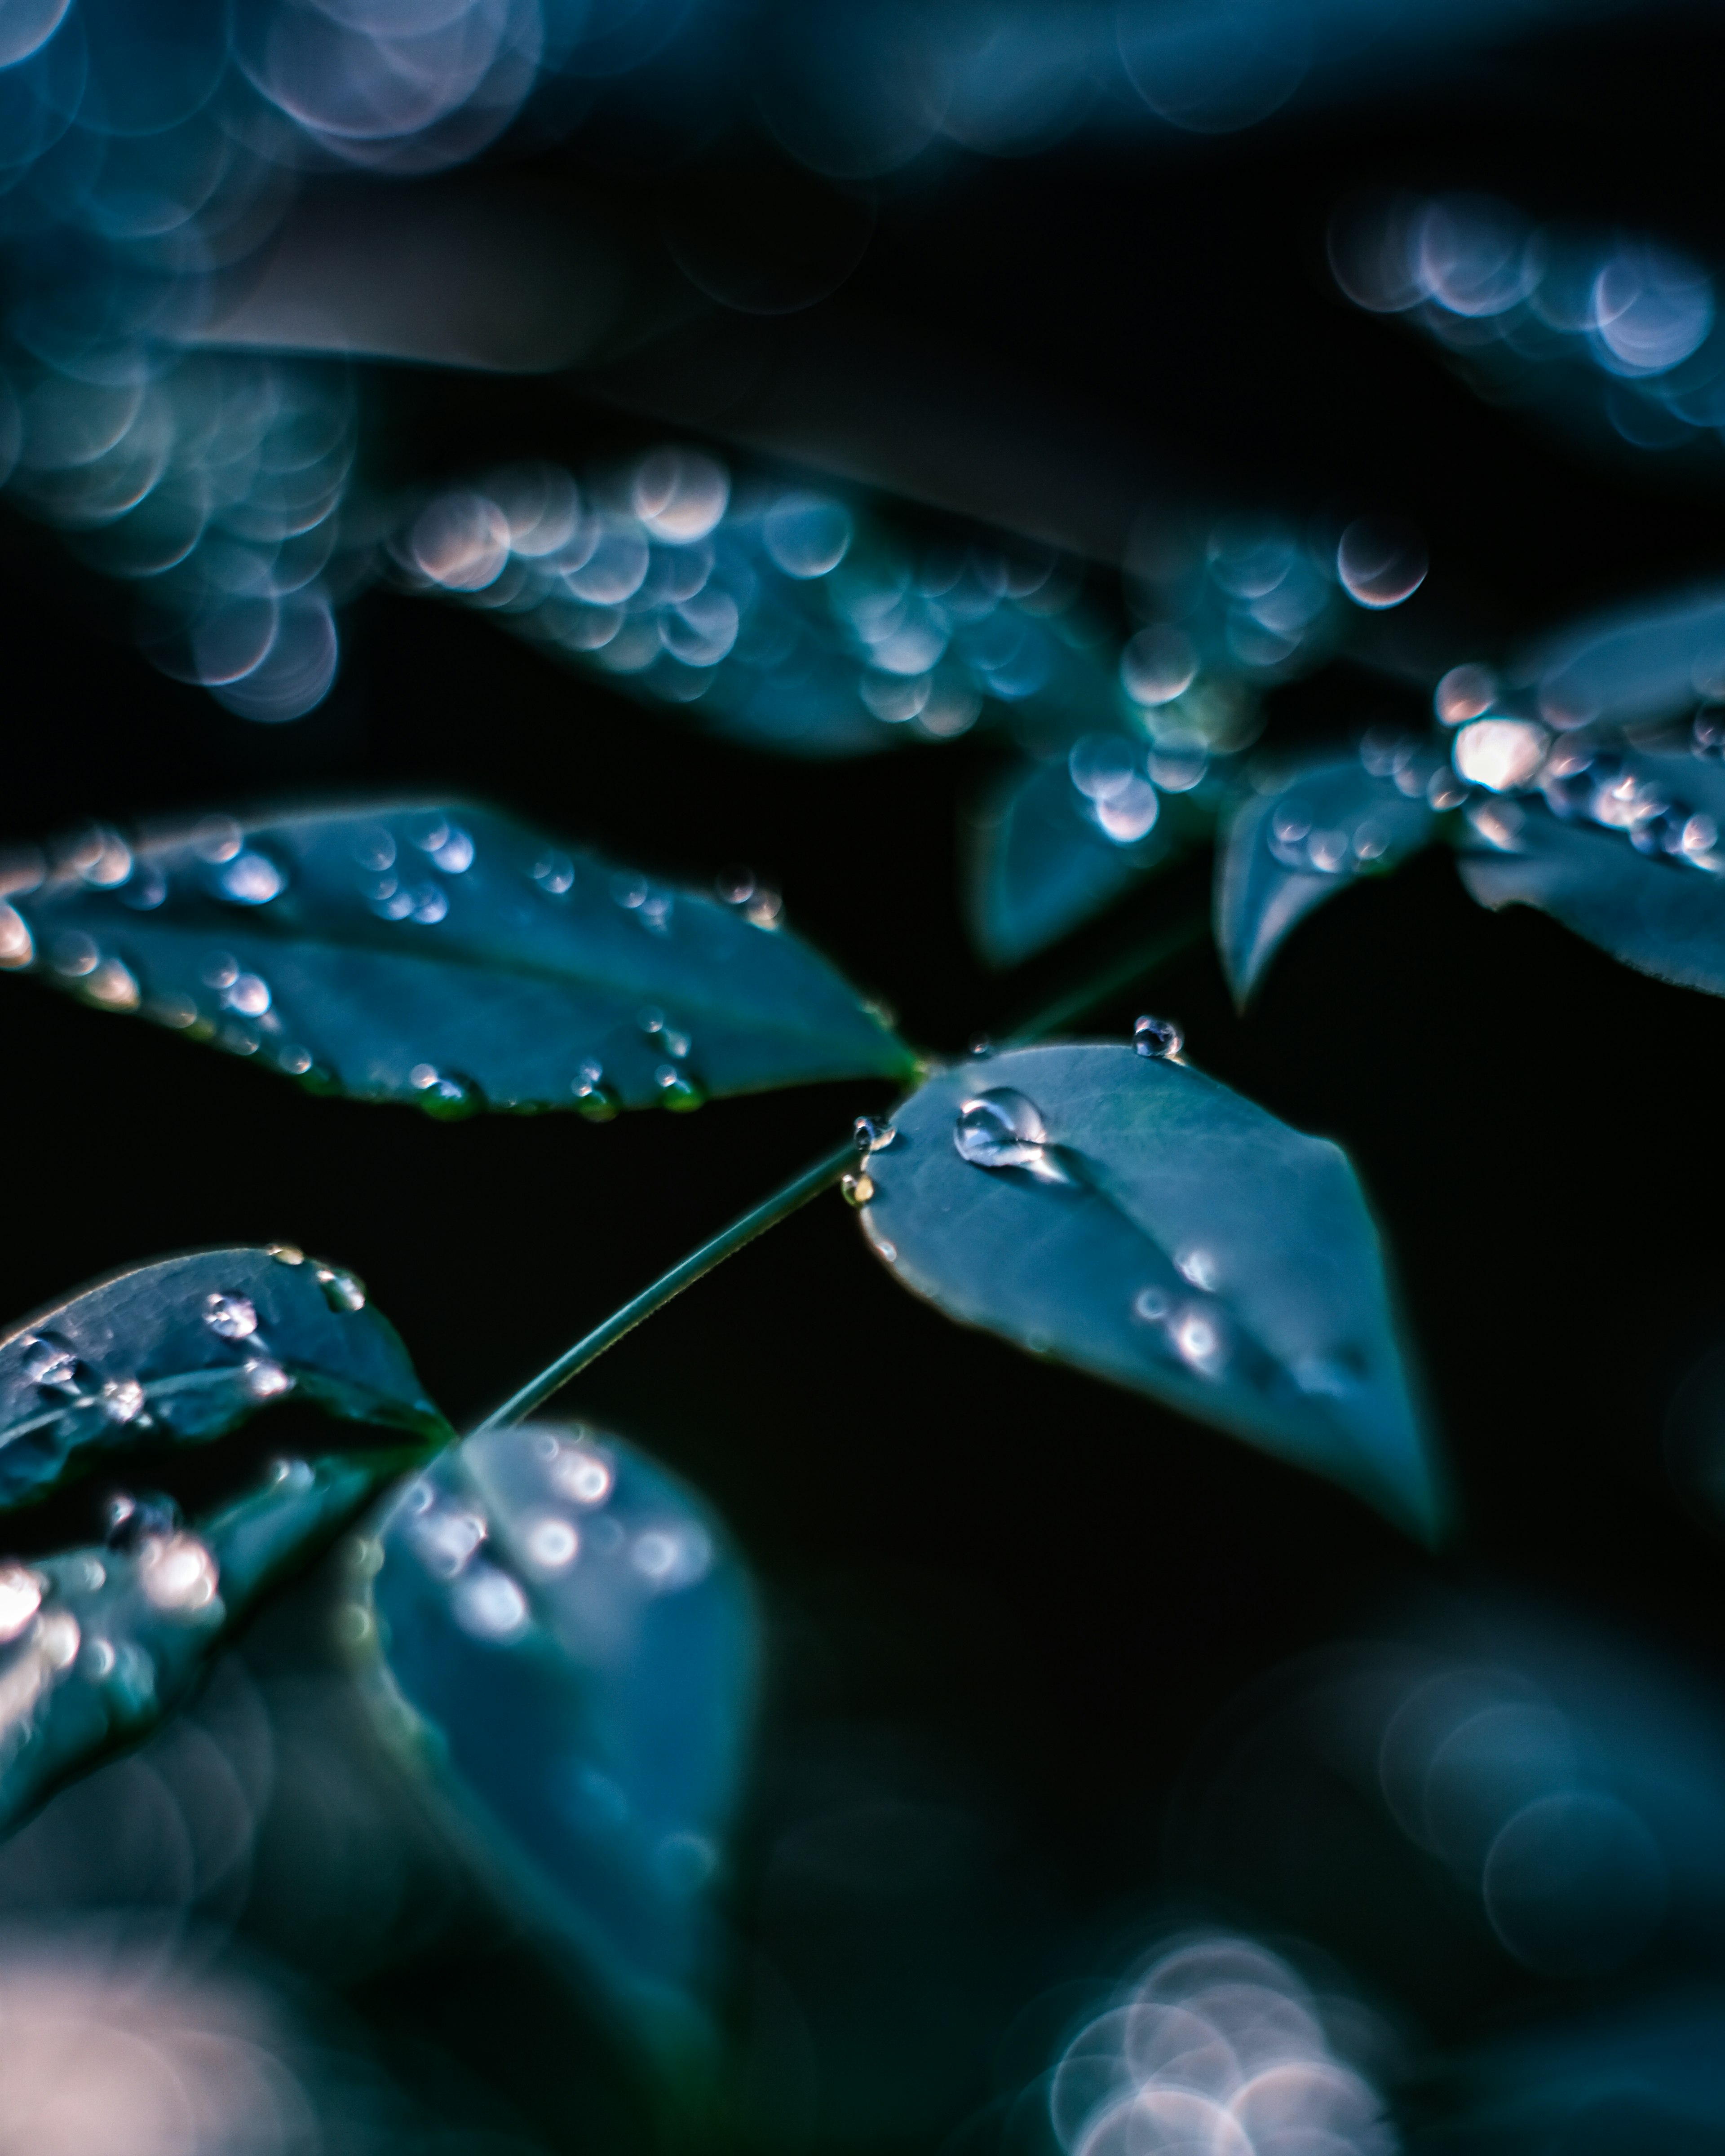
(1008, 1600)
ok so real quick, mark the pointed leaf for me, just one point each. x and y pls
(1167, 1234)
(1650, 890)
(1043, 861)
(188, 1349)
(569, 1646)
(1303, 838)
(1636, 664)
(448, 957)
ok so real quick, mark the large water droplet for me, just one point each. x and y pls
(230, 1316)
(1381, 561)
(18, 946)
(178, 1573)
(20, 1598)
(343, 1291)
(265, 1380)
(122, 1399)
(251, 879)
(1003, 1128)
(1157, 1038)
(49, 1361)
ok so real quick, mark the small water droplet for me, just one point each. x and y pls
(216, 839)
(122, 1399)
(265, 1380)
(49, 1361)
(554, 873)
(450, 1098)
(18, 946)
(1157, 1038)
(1200, 1267)
(295, 1060)
(735, 885)
(1151, 1304)
(343, 1291)
(373, 847)
(444, 1540)
(552, 1543)
(1327, 851)
(490, 1605)
(858, 1189)
(1198, 1340)
(765, 909)
(629, 891)
(1465, 693)
(249, 994)
(428, 903)
(221, 970)
(58, 1638)
(251, 879)
(675, 1044)
(74, 955)
(285, 1254)
(20, 1598)
(650, 1019)
(594, 1099)
(99, 856)
(178, 1573)
(872, 1135)
(454, 857)
(889, 1251)
(1003, 1128)
(230, 1316)
(98, 1659)
(581, 1474)
(981, 1045)
(1381, 561)
(677, 1089)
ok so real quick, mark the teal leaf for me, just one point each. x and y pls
(1648, 886)
(569, 1645)
(1140, 1220)
(1302, 837)
(187, 1348)
(445, 956)
(98, 1644)
(1638, 665)
(1044, 857)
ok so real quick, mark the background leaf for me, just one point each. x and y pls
(567, 1632)
(1167, 1234)
(1640, 889)
(448, 957)
(1292, 844)
(188, 1349)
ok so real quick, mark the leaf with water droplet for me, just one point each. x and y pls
(1649, 889)
(1283, 853)
(187, 1348)
(454, 958)
(568, 1649)
(1140, 1220)
(1041, 863)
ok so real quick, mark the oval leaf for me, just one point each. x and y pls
(188, 1349)
(570, 1644)
(1289, 848)
(447, 957)
(1044, 858)
(97, 1646)
(1163, 1232)
(1637, 665)
(1649, 889)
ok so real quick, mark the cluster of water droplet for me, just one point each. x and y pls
(784, 616)
(1619, 326)
(1218, 2047)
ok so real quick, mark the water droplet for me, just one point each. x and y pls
(286, 1253)
(17, 946)
(1502, 755)
(554, 873)
(594, 1099)
(1159, 664)
(650, 1019)
(98, 1659)
(628, 891)
(216, 839)
(675, 1044)
(1151, 1304)
(49, 1361)
(857, 1189)
(455, 855)
(1200, 1267)
(766, 909)
(265, 1380)
(1101, 765)
(1159, 1037)
(295, 1061)
(251, 879)
(1198, 1340)
(450, 1098)
(582, 1475)
(1381, 561)
(74, 955)
(1327, 851)
(20, 1598)
(1465, 693)
(889, 1251)
(175, 1010)
(58, 1638)
(112, 987)
(807, 534)
(735, 885)
(122, 1399)
(1003, 1128)
(99, 856)
(343, 1291)
(178, 1573)
(551, 1543)
(249, 994)
(132, 1520)
(372, 846)
(678, 1091)
(230, 1316)
(490, 1605)
(981, 1046)
(221, 970)
(444, 1540)
(428, 903)
(871, 1135)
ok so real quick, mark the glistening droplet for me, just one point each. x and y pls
(1157, 1038)
(343, 1291)
(1003, 1128)
(1381, 561)
(230, 1316)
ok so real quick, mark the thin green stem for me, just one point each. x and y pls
(1149, 958)
(768, 1215)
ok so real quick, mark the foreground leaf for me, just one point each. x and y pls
(187, 1348)
(448, 957)
(1644, 890)
(569, 1648)
(1637, 665)
(1135, 1218)
(1042, 862)
(1292, 846)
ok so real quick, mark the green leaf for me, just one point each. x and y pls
(444, 956)
(98, 1644)
(1144, 1223)
(569, 1650)
(1041, 863)
(1661, 910)
(187, 1348)
(1303, 837)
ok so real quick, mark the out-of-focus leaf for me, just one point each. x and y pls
(1635, 666)
(1648, 885)
(97, 1644)
(187, 1348)
(1044, 857)
(1143, 1222)
(448, 957)
(569, 1645)
(1304, 836)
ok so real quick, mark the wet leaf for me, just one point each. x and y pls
(1650, 890)
(187, 1348)
(1041, 862)
(1287, 851)
(1140, 1220)
(98, 1644)
(447, 957)
(568, 1649)
(1636, 664)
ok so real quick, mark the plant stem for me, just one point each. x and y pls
(768, 1215)
(1149, 958)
